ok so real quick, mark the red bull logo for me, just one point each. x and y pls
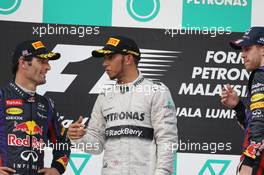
(13, 140)
(30, 127)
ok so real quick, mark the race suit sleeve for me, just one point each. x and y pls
(61, 144)
(240, 114)
(95, 136)
(164, 122)
(256, 126)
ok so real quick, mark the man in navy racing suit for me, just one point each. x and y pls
(250, 116)
(29, 121)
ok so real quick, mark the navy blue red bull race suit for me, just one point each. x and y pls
(251, 118)
(27, 123)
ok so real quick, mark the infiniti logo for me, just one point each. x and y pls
(256, 112)
(25, 155)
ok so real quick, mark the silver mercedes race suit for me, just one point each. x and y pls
(136, 126)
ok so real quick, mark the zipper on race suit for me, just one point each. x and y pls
(31, 101)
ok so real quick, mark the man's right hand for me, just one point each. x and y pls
(229, 97)
(76, 129)
(6, 171)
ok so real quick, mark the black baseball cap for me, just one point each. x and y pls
(254, 36)
(118, 44)
(33, 48)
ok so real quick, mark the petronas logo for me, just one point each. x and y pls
(143, 10)
(215, 167)
(84, 157)
(10, 6)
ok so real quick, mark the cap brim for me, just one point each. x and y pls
(238, 44)
(101, 52)
(234, 46)
(49, 56)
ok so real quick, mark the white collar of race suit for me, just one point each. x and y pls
(136, 82)
(128, 86)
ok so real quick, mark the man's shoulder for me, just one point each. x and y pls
(259, 75)
(155, 85)
(106, 90)
(4, 90)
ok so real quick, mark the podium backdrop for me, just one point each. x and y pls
(184, 44)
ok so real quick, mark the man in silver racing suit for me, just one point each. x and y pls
(134, 121)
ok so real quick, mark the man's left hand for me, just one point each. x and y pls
(49, 171)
